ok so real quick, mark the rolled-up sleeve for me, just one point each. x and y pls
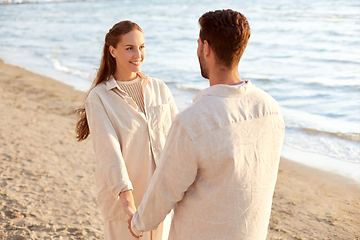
(107, 148)
(179, 158)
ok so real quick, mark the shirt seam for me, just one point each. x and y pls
(235, 122)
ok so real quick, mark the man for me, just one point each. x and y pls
(220, 162)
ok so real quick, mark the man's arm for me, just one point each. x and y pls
(172, 178)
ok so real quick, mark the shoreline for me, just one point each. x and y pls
(347, 170)
(47, 178)
(183, 99)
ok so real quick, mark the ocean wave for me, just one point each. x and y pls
(263, 80)
(4, 2)
(190, 89)
(25, 53)
(58, 66)
(331, 60)
(341, 146)
(346, 136)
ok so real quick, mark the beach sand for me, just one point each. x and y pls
(47, 188)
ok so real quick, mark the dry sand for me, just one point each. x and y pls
(47, 188)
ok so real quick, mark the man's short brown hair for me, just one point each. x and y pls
(227, 32)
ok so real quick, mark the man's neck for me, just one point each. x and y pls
(225, 76)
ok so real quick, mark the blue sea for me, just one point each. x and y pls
(304, 53)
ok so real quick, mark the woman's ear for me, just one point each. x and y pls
(112, 51)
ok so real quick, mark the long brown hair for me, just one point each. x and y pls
(106, 70)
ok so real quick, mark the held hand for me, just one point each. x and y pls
(129, 208)
(128, 203)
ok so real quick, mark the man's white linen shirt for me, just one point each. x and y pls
(218, 168)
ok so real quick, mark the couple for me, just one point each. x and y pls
(218, 167)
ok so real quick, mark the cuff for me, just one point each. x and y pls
(120, 187)
(134, 224)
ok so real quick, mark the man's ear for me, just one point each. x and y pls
(112, 51)
(207, 48)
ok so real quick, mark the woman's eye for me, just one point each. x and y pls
(130, 48)
(142, 47)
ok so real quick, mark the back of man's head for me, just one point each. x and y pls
(227, 32)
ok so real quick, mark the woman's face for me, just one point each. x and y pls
(129, 54)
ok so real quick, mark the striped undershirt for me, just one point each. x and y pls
(133, 89)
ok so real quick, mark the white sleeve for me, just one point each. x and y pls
(107, 149)
(179, 158)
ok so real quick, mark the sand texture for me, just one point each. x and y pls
(312, 204)
(47, 187)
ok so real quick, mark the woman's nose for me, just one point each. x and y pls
(138, 53)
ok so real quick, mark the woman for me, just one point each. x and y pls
(128, 115)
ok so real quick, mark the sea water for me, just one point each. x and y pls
(306, 54)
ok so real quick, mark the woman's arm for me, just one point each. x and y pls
(107, 148)
(128, 203)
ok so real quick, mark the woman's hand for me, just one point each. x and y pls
(129, 208)
(128, 203)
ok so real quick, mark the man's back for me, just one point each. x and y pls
(219, 164)
(236, 134)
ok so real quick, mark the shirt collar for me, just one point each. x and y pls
(223, 90)
(111, 83)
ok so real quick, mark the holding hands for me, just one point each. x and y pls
(129, 221)
(129, 208)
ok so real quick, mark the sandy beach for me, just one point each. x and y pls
(47, 186)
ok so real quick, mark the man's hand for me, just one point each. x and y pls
(129, 227)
